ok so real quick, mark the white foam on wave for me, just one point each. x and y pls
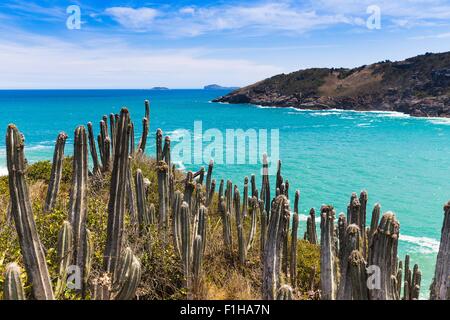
(426, 245)
(440, 121)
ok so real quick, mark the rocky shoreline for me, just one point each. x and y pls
(418, 86)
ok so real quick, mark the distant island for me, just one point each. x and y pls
(418, 86)
(159, 88)
(218, 87)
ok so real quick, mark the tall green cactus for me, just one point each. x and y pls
(186, 246)
(328, 259)
(12, 285)
(78, 199)
(358, 276)
(112, 129)
(176, 221)
(383, 253)
(265, 187)
(141, 200)
(127, 277)
(273, 248)
(65, 252)
(440, 289)
(97, 167)
(56, 173)
(352, 242)
(117, 199)
(294, 233)
(30, 244)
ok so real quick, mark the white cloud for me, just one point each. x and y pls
(137, 19)
(108, 63)
(193, 21)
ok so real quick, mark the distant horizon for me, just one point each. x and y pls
(184, 44)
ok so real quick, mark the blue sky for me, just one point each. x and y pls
(188, 44)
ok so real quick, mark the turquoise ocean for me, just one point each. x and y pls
(402, 162)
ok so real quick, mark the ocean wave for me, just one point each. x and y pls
(440, 121)
(426, 245)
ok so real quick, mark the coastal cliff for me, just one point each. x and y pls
(418, 86)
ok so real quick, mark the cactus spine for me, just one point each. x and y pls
(117, 199)
(30, 244)
(12, 285)
(55, 176)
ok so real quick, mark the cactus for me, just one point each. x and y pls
(412, 281)
(189, 187)
(263, 222)
(12, 285)
(226, 223)
(358, 276)
(116, 204)
(374, 222)
(352, 242)
(363, 198)
(265, 187)
(239, 226)
(132, 149)
(78, 198)
(186, 243)
(97, 168)
(285, 293)
(245, 199)
(440, 289)
(341, 230)
(128, 276)
(131, 196)
(64, 250)
(254, 191)
(143, 140)
(197, 262)
(311, 233)
(30, 244)
(294, 232)
(55, 176)
(383, 253)
(141, 201)
(328, 268)
(176, 221)
(273, 247)
(112, 131)
(209, 194)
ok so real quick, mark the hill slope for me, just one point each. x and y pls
(419, 86)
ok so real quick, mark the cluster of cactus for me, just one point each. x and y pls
(347, 249)
(75, 246)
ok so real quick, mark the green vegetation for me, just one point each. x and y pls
(162, 276)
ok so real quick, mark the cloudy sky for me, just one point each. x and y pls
(187, 44)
